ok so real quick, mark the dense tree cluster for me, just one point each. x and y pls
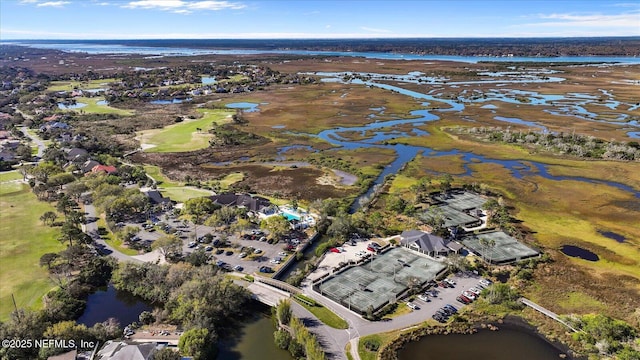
(605, 336)
(195, 298)
(561, 143)
(294, 336)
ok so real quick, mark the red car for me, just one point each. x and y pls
(335, 250)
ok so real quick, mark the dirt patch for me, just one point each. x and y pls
(298, 182)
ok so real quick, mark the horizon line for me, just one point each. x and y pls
(331, 38)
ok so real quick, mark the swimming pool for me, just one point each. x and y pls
(289, 216)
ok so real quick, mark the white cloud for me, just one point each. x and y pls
(28, 1)
(375, 30)
(184, 7)
(629, 21)
(53, 3)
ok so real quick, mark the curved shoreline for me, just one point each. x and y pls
(391, 350)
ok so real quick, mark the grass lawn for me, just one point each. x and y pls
(182, 194)
(174, 190)
(184, 136)
(380, 339)
(231, 179)
(10, 175)
(70, 85)
(94, 108)
(156, 173)
(111, 239)
(21, 248)
(325, 315)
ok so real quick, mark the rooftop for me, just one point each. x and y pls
(506, 249)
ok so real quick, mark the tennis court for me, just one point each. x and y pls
(505, 249)
(374, 284)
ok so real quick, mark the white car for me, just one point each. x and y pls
(485, 282)
(412, 306)
(470, 295)
(275, 261)
(475, 291)
(361, 253)
(450, 281)
(423, 297)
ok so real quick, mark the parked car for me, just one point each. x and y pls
(257, 251)
(485, 282)
(452, 308)
(208, 248)
(229, 252)
(238, 268)
(192, 244)
(450, 282)
(424, 298)
(463, 300)
(412, 306)
(266, 269)
(470, 295)
(275, 261)
(242, 255)
(219, 251)
(475, 291)
(334, 250)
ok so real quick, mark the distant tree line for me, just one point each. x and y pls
(562, 143)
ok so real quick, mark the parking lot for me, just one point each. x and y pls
(445, 295)
(258, 253)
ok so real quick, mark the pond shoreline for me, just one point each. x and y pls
(391, 351)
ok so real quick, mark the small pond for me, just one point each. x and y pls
(64, 106)
(576, 251)
(208, 80)
(167, 102)
(102, 102)
(612, 235)
(254, 340)
(246, 106)
(111, 303)
(505, 344)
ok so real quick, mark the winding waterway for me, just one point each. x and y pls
(405, 153)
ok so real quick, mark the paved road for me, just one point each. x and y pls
(91, 228)
(332, 340)
(36, 140)
(359, 327)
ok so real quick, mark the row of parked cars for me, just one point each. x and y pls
(468, 296)
(442, 315)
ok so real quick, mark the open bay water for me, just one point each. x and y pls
(183, 48)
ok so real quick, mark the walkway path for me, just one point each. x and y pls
(547, 312)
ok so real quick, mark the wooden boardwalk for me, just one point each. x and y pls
(547, 312)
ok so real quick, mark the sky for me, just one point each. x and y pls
(196, 19)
